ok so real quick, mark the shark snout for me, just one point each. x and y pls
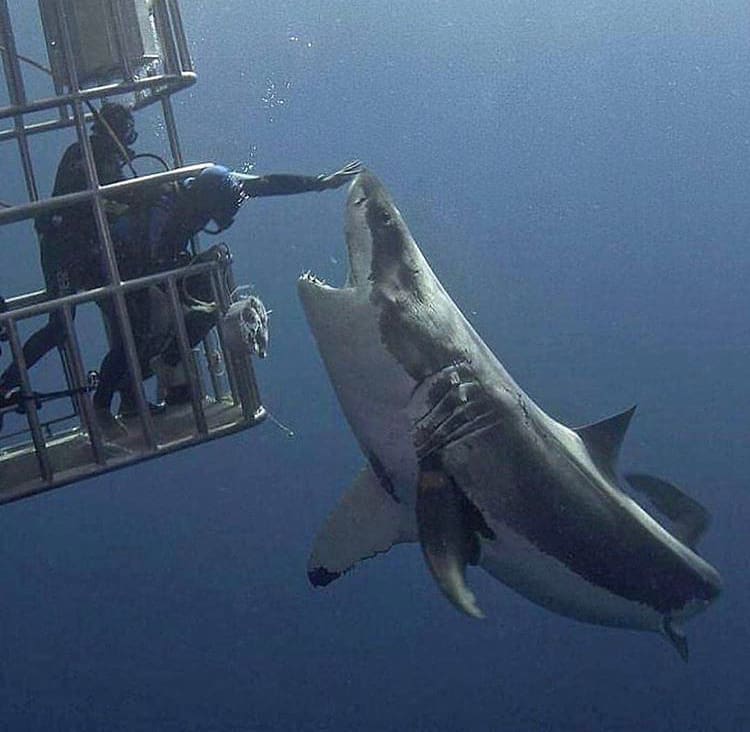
(363, 191)
(364, 186)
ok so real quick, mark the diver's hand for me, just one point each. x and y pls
(337, 179)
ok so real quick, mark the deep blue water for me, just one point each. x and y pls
(578, 176)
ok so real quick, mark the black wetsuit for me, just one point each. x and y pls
(154, 236)
(69, 245)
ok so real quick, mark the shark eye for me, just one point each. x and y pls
(385, 218)
(360, 200)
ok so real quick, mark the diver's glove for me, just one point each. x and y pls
(337, 179)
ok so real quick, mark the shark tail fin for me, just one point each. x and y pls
(366, 522)
(676, 637)
(689, 518)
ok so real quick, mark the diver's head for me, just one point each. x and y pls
(214, 194)
(119, 118)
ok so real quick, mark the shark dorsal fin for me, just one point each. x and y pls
(603, 439)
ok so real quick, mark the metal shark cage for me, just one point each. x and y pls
(101, 49)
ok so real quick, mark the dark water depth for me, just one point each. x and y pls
(577, 174)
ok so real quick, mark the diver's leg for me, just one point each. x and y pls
(52, 335)
(115, 376)
(173, 376)
(108, 376)
(197, 324)
(114, 365)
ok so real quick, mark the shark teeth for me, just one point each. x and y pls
(308, 276)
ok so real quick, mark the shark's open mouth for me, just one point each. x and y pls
(316, 282)
(359, 237)
(313, 279)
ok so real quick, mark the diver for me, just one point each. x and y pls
(68, 237)
(159, 240)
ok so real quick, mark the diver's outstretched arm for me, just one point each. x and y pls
(284, 185)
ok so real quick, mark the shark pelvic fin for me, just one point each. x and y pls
(448, 541)
(604, 439)
(366, 522)
(676, 637)
(689, 519)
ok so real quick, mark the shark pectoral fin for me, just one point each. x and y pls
(689, 519)
(447, 539)
(366, 522)
(676, 637)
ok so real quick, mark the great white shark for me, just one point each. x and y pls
(461, 459)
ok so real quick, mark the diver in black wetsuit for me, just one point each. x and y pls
(159, 240)
(69, 241)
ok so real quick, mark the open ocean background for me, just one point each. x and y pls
(578, 175)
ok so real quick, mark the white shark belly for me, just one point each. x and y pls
(548, 582)
(373, 389)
